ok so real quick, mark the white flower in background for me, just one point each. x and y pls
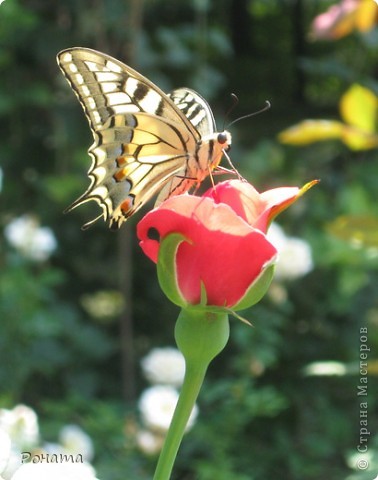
(294, 254)
(52, 448)
(14, 462)
(21, 424)
(355, 461)
(76, 442)
(103, 304)
(157, 405)
(55, 471)
(149, 442)
(5, 450)
(276, 236)
(34, 242)
(296, 259)
(19, 433)
(326, 368)
(164, 366)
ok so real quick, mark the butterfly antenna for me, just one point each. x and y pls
(267, 107)
(235, 101)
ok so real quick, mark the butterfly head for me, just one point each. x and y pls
(224, 139)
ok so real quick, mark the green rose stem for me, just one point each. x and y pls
(200, 335)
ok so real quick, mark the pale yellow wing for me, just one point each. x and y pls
(144, 140)
(141, 138)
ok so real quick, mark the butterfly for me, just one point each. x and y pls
(145, 141)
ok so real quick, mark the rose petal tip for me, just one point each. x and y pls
(307, 186)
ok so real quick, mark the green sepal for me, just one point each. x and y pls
(166, 268)
(203, 301)
(257, 289)
(201, 335)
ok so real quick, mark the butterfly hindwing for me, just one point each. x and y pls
(195, 108)
(133, 160)
(143, 138)
(198, 111)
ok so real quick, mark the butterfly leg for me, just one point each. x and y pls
(228, 171)
(233, 168)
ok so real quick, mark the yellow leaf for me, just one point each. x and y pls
(366, 15)
(359, 230)
(373, 367)
(358, 107)
(357, 139)
(310, 131)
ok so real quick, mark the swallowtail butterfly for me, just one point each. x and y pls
(145, 141)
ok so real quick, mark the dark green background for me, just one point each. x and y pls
(255, 423)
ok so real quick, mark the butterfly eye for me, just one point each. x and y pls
(222, 138)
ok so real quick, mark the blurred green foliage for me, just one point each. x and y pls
(261, 417)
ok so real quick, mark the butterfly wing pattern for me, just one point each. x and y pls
(144, 140)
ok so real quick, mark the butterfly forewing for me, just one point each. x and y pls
(106, 87)
(143, 138)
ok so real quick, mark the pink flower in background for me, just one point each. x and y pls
(343, 18)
